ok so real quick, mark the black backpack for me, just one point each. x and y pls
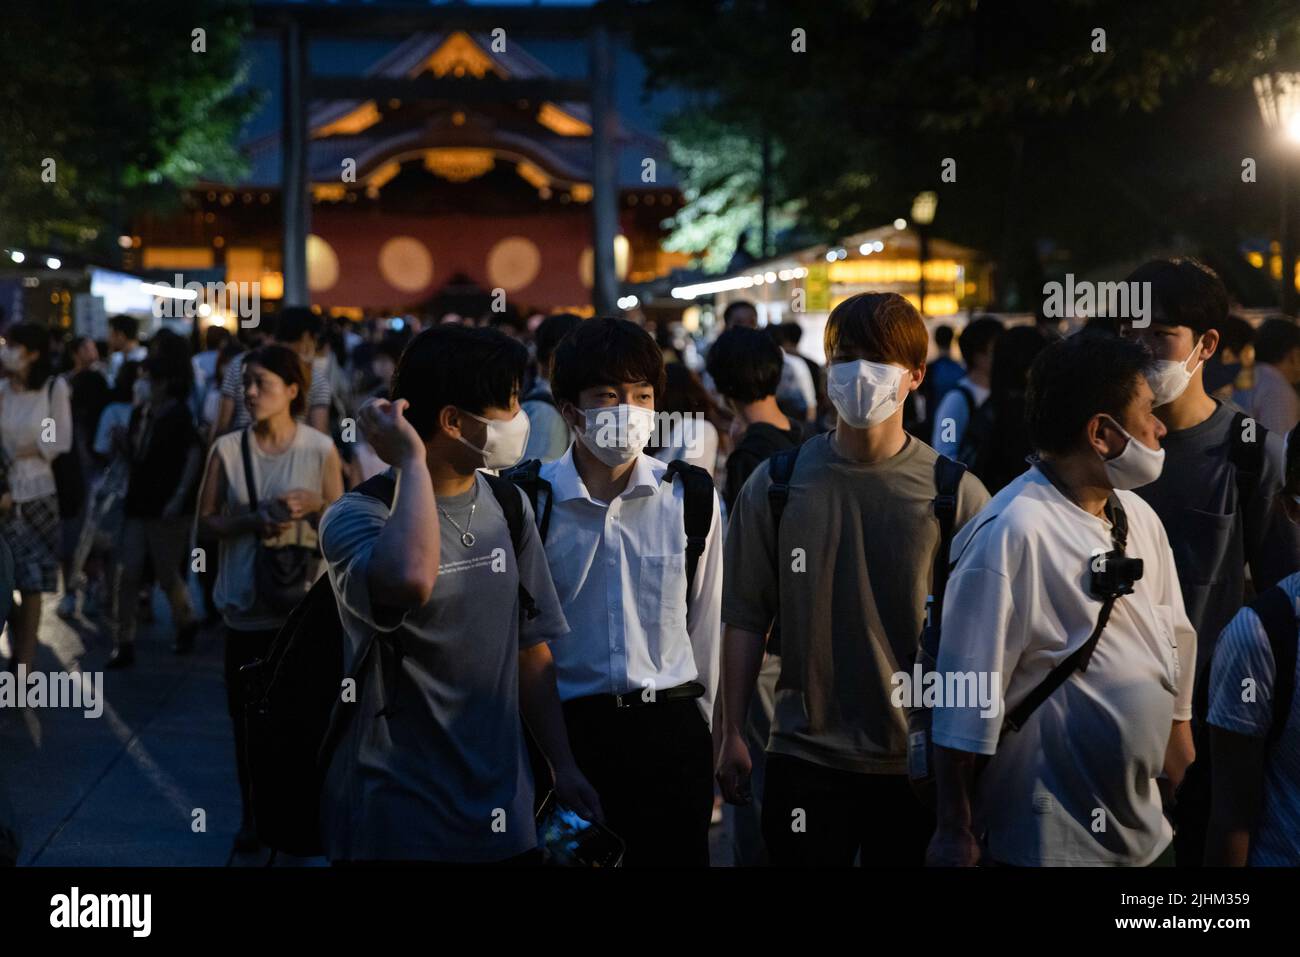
(295, 715)
(697, 504)
(1247, 460)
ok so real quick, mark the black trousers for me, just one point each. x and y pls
(823, 817)
(242, 648)
(653, 770)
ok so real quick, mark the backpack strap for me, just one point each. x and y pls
(697, 511)
(528, 476)
(947, 481)
(780, 469)
(1278, 616)
(1078, 660)
(971, 404)
(507, 496)
(247, 455)
(379, 486)
(1247, 459)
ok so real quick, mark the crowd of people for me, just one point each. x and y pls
(736, 568)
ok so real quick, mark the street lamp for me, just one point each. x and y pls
(923, 209)
(1278, 96)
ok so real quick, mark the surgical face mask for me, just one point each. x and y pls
(1135, 466)
(865, 393)
(616, 434)
(505, 441)
(11, 359)
(1169, 378)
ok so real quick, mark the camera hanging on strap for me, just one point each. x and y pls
(1110, 576)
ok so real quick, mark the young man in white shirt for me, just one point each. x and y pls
(1076, 779)
(638, 670)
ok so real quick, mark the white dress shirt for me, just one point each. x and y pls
(620, 572)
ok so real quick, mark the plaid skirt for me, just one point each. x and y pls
(32, 531)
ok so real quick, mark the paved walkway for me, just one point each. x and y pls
(124, 788)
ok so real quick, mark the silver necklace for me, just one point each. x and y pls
(466, 536)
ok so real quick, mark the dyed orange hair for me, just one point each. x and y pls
(883, 325)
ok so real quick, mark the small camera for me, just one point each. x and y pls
(1114, 575)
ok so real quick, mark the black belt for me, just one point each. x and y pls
(638, 699)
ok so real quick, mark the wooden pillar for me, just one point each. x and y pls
(294, 178)
(604, 291)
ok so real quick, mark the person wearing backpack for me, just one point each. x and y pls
(847, 564)
(1219, 496)
(634, 547)
(957, 408)
(1063, 603)
(745, 367)
(1254, 728)
(549, 434)
(263, 493)
(431, 587)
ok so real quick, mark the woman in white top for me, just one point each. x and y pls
(297, 474)
(35, 428)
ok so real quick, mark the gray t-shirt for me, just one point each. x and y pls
(444, 775)
(1244, 653)
(1196, 499)
(856, 556)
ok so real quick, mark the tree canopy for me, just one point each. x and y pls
(1067, 141)
(105, 108)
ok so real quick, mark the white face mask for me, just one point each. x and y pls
(865, 393)
(1135, 466)
(616, 434)
(11, 359)
(505, 442)
(1169, 378)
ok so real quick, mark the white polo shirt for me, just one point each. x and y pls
(620, 572)
(1077, 784)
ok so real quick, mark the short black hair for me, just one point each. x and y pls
(129, 326)
(979, 336)
(745, 365)
(550, 332)
(943, 336)
(1236, 334)
(734, 307)
(606, 351)
(169, 362)
(1276, 339)
(1187, 292)
(293, 321)
(470, 367)
(785, 332)
(34, 337)
(1076, 378)
(215, 337)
